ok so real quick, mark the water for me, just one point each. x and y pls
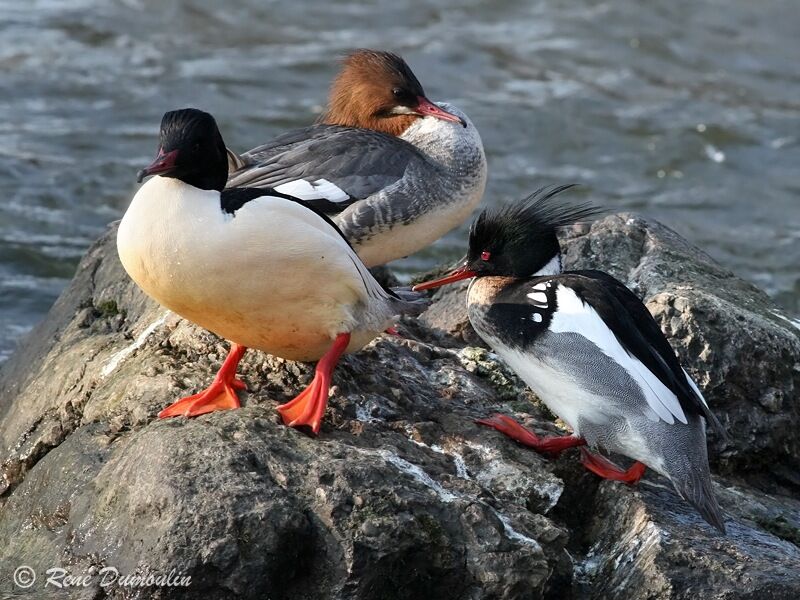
(687, 112)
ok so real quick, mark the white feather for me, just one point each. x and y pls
(553, 267)
(313, 190)
(575, 316)
(538, 298)
(557, 389)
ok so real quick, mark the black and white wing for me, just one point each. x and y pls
(327, 166)
(601, 308)
(565, 319)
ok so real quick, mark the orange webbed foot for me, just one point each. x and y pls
(601, 466)
(548, 445)
(220, 395)
(308, 407)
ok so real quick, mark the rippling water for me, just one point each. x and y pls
(685, 111)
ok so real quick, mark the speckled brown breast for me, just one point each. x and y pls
(484, 290)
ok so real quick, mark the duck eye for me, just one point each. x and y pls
(397, 92)
(486, 255)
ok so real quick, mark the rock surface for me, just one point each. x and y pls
(401, 496)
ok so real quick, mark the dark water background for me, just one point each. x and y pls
(685, 111)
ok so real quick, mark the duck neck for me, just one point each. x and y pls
(208, 180)
(553, 267)
(449, 144)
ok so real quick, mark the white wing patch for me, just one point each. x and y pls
(313, 190)
(573, 316)
(539, 299)
(553, 267)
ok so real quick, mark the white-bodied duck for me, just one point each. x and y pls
(257, 267)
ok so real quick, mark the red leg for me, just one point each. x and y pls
(393, 331)
(308, 407)
(550, 445)
(220, 395)
(599, 465)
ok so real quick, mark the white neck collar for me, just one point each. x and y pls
(553, 267)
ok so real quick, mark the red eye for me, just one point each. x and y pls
(486, 255)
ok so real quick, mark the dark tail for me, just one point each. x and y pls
(695, 487)
(409, 302)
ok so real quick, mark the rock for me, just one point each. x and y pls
(645, 545)
(402, 495)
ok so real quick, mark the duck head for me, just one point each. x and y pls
(377, 90)
(190, 149)
(518, 240)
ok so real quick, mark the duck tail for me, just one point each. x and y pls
(696, 488)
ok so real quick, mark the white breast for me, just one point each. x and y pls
(275, 276)
(561, 393)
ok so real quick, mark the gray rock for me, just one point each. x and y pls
(402, 495)
(643, 545)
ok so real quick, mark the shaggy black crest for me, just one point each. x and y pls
(520, 238)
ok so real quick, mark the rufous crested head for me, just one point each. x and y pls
(377, 90)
